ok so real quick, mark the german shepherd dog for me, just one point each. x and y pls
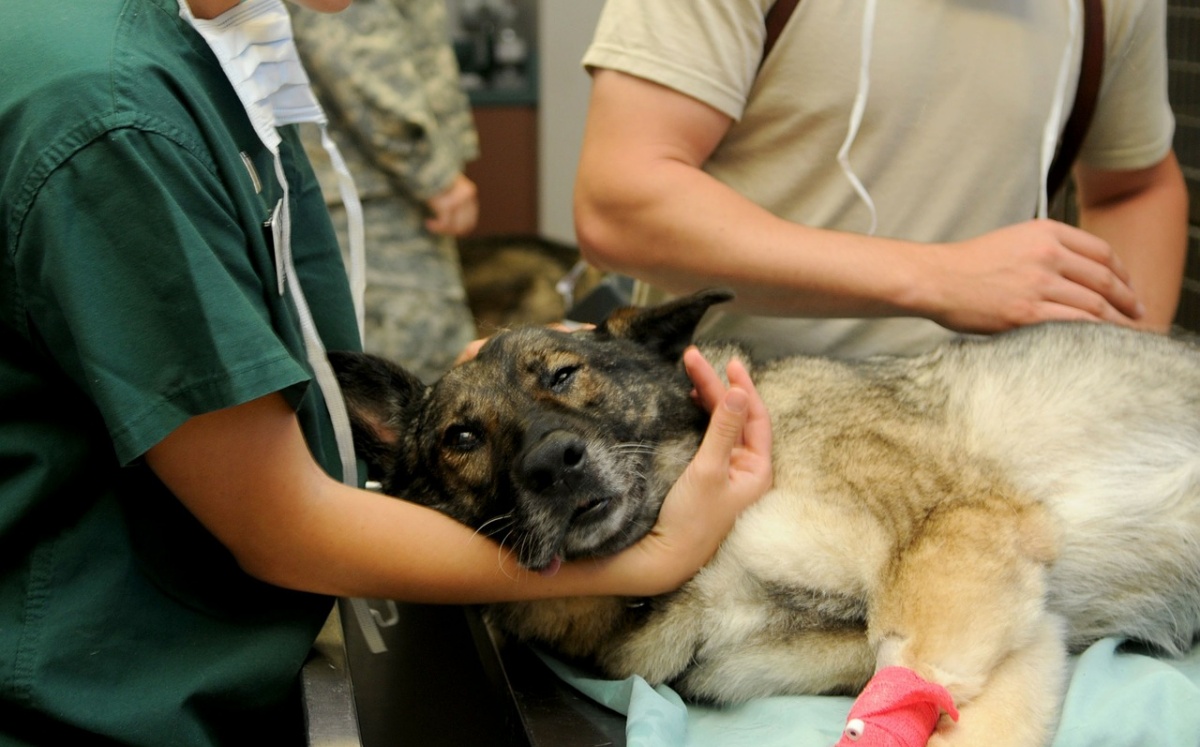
(973, 514)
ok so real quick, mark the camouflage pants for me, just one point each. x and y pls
(415, 307)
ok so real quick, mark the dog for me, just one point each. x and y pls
(973, 514)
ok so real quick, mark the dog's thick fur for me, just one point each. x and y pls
(972, 514)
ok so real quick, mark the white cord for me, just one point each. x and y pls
(355, 230)
(856, 113)
(1054, 122)
(327, 383)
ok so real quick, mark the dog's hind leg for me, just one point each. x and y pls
(962, 604)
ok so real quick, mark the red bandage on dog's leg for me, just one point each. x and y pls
(897, 708)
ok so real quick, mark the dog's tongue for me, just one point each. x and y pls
(552, 569)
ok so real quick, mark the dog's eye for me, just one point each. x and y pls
(559, 378)
(461, 438)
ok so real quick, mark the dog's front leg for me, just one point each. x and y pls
(962, 606)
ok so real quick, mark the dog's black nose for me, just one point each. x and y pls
(555, 463)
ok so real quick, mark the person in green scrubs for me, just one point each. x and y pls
(173, 519)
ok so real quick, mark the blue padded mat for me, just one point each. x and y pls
(1116, 698)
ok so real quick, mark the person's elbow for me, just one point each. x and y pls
(597, 234)
(608, 226)
(292, 553)
(261, 559)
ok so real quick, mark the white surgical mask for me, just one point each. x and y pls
(254, 45)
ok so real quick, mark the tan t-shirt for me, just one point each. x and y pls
(958, 98)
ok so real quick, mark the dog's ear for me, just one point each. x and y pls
(377, 393)
(667, 328)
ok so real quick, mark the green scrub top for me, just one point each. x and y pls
(137, 289)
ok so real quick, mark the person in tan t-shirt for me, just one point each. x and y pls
(890, 231)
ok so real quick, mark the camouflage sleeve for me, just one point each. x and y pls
(439, 69)
(387, 78)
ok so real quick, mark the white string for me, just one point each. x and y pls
(315, 350)
(1054, 122)
(856, 113)
(328, 385)
(354, 220)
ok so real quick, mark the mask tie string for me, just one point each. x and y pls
(355, 228)
(856, 113)
(339, 417)
(1054, 122)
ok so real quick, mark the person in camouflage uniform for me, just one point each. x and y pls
(386, 75)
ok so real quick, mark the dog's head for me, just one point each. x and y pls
(559, 445)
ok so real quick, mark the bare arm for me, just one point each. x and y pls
(247, 475)
(644, 207)
(1143, 214)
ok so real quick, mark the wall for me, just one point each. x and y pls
(561, 29)
(564, 31)
(505, 109)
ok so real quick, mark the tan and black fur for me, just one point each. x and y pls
(973, 514)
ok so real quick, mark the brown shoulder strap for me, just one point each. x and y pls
(1090, 72)
(777, 18)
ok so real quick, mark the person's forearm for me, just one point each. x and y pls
(677, 227)
(353, 539)
(1147, 227)
(645, 207)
